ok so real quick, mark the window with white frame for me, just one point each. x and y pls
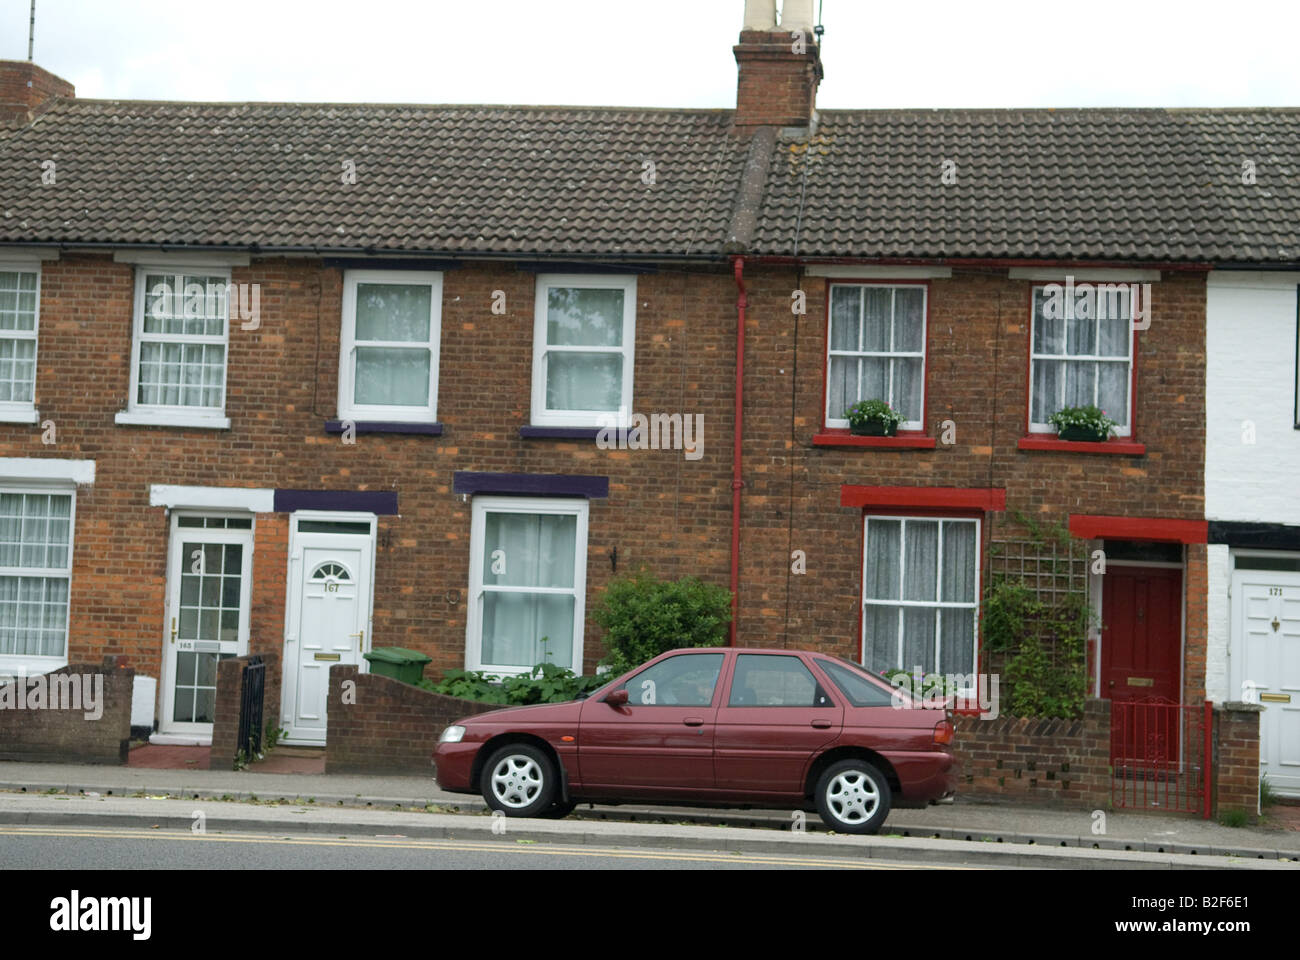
(876, 350)
(20, 298)
(1082, 354)
(182, 325)
(920, 593)
(528, 562)
(35, 575)
(388, 358)
(584, 331)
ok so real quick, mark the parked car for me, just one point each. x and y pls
(713, 727)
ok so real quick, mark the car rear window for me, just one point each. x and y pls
(860, 691)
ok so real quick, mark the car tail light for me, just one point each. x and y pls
(944, 732)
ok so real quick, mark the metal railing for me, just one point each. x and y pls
(1160, 755)
(251, 697)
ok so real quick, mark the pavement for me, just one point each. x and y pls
(343, 800)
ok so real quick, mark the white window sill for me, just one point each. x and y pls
(15, 666)
(19, 416)
(140, 418)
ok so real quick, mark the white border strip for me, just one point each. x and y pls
(48, 469)
(1101, 276)
(28, 253)
(184, 258)
(253, 499)
(876, 272)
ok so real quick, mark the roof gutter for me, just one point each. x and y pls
(319, 251)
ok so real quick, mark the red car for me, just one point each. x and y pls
(713, 727)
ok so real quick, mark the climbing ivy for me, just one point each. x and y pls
(1041, 644)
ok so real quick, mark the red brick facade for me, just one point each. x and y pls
(664, 511)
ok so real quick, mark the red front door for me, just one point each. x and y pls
(1141, 609)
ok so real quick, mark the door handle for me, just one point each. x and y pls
(173, 629)
(821, 724)
(361, 640)
(693, 722)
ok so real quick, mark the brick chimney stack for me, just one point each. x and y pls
(26, 90)
(779, 66)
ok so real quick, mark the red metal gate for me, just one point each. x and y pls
(1160, 755)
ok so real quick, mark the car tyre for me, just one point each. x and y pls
(519, 780)
(853, 797)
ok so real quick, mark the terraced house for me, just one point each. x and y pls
(386, 427)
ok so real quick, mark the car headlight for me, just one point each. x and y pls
(452, 734)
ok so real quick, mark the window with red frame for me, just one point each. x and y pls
(876, 350)
(1081, 354)
(920, 593)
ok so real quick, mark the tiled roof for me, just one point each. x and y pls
(1114, 185)
(428, 178)
(1038, 184)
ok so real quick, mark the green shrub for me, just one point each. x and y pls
(644, 616)
(544, 683)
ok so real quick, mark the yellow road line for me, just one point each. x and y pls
(503, 846)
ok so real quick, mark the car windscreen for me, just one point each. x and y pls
(859, 689)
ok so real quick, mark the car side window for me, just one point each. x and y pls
(687, 680)
(774, 680)
(860, 691)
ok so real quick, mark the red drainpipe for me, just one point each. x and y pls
(736, 483)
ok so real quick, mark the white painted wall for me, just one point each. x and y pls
(1219, 625)
(1251, 377)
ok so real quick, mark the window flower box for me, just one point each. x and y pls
(873, 418)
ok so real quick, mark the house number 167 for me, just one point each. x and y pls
(331, 588)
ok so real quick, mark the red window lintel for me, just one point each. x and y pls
(943, 498)
(1139, 528)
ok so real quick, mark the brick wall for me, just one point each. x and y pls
(1051, 761)
(61, 731)
(24, 87)
(386, 726)
(977, 375)
(663, 511)
(775, 86)
(229, 697)
(1236, 759)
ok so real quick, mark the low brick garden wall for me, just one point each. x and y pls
(1236, 759)
(79, 714)
(1051, 762)
(385, 726)
(230, 685)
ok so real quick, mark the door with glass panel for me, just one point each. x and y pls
(528, 565)
(207, 618)
(328, 619)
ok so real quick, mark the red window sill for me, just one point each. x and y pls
(902, 441)
(1123, 448)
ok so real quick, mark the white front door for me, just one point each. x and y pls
(208, 586)
(328, 615)
(1266, 655)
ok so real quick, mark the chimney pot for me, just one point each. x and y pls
(760, 15)
(797, 15)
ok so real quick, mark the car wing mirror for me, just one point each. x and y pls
(618, 698)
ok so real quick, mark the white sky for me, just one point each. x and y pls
(665, 53)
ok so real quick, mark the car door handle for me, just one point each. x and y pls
(821, 724)
(693, 722)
